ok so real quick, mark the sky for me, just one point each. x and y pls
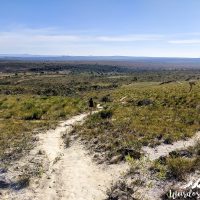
(153, 28)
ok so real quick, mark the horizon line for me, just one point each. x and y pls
(24, 55)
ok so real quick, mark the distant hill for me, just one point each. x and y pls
(95, 58)
(93, 63)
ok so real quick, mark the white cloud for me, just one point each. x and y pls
(129, 38)
(35, 37)
(53, 35)
(51, 41)
(187, 41)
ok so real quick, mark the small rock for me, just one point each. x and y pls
(95, 141)
(95, 156)
(115, 159)
(41, 152)
(100, 162)
(36, 139)
(167, 141)
(185, 153)
(144, 102)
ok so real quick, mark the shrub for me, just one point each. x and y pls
(178, 167)
(144, 102)
(106, 114)
(106, 99)
(34, 115)
(28, 105)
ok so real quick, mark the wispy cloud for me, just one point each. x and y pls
(52, 41)
(52, 35)
(129, 38)
(36, 37)
(186, 41)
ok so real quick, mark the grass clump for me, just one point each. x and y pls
(178, 164)
(178, 168)
(106, 114)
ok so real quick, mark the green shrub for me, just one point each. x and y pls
(178, 167)
(33, 115)
(106, 114)
(106, 99)
(28, 105)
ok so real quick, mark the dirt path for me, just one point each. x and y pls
(77, 177)
(158, 187)
(71, 174)
(165, 149)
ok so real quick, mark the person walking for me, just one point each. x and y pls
(91, 105)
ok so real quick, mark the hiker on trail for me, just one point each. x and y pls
(91, 105)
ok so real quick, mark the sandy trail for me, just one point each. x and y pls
(160, 187)
(165, 149)
(79, 178)
(71, 174)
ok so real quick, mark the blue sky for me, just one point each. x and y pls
(168, 28)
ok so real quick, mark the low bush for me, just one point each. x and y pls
(33, 115)
(106, 114)
(178, 168)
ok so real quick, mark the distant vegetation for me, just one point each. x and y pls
(95, 64)
(35, 66)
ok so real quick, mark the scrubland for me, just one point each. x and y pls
(146, 114)
(22, 114)
(139, 109)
